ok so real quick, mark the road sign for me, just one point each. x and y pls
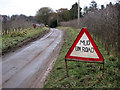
(84, 49)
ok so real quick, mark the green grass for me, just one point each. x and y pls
(81, 74)
(14, 38)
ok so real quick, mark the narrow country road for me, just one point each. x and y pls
(26, 67)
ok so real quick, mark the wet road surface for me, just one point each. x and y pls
(25, 68)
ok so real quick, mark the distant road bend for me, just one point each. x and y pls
(25, 68)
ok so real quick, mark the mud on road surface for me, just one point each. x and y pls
(26, 68)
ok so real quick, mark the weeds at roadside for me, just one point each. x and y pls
(12, 39)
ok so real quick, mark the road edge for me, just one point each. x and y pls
(25, 42)
(42, 81)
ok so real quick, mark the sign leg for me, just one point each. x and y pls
(66, 68)
(103, 69)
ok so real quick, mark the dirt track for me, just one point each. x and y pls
(26, 68)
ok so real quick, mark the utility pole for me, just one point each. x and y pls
(78, 11)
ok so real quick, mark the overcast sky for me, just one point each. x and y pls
(29, 7)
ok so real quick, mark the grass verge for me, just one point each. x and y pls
(81, 74)
(15, 38)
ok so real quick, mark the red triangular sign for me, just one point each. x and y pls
(84, 49)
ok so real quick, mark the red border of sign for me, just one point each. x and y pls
(68, 57)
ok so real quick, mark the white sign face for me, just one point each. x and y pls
(84, 48)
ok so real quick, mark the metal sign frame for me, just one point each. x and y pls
(89, 60)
